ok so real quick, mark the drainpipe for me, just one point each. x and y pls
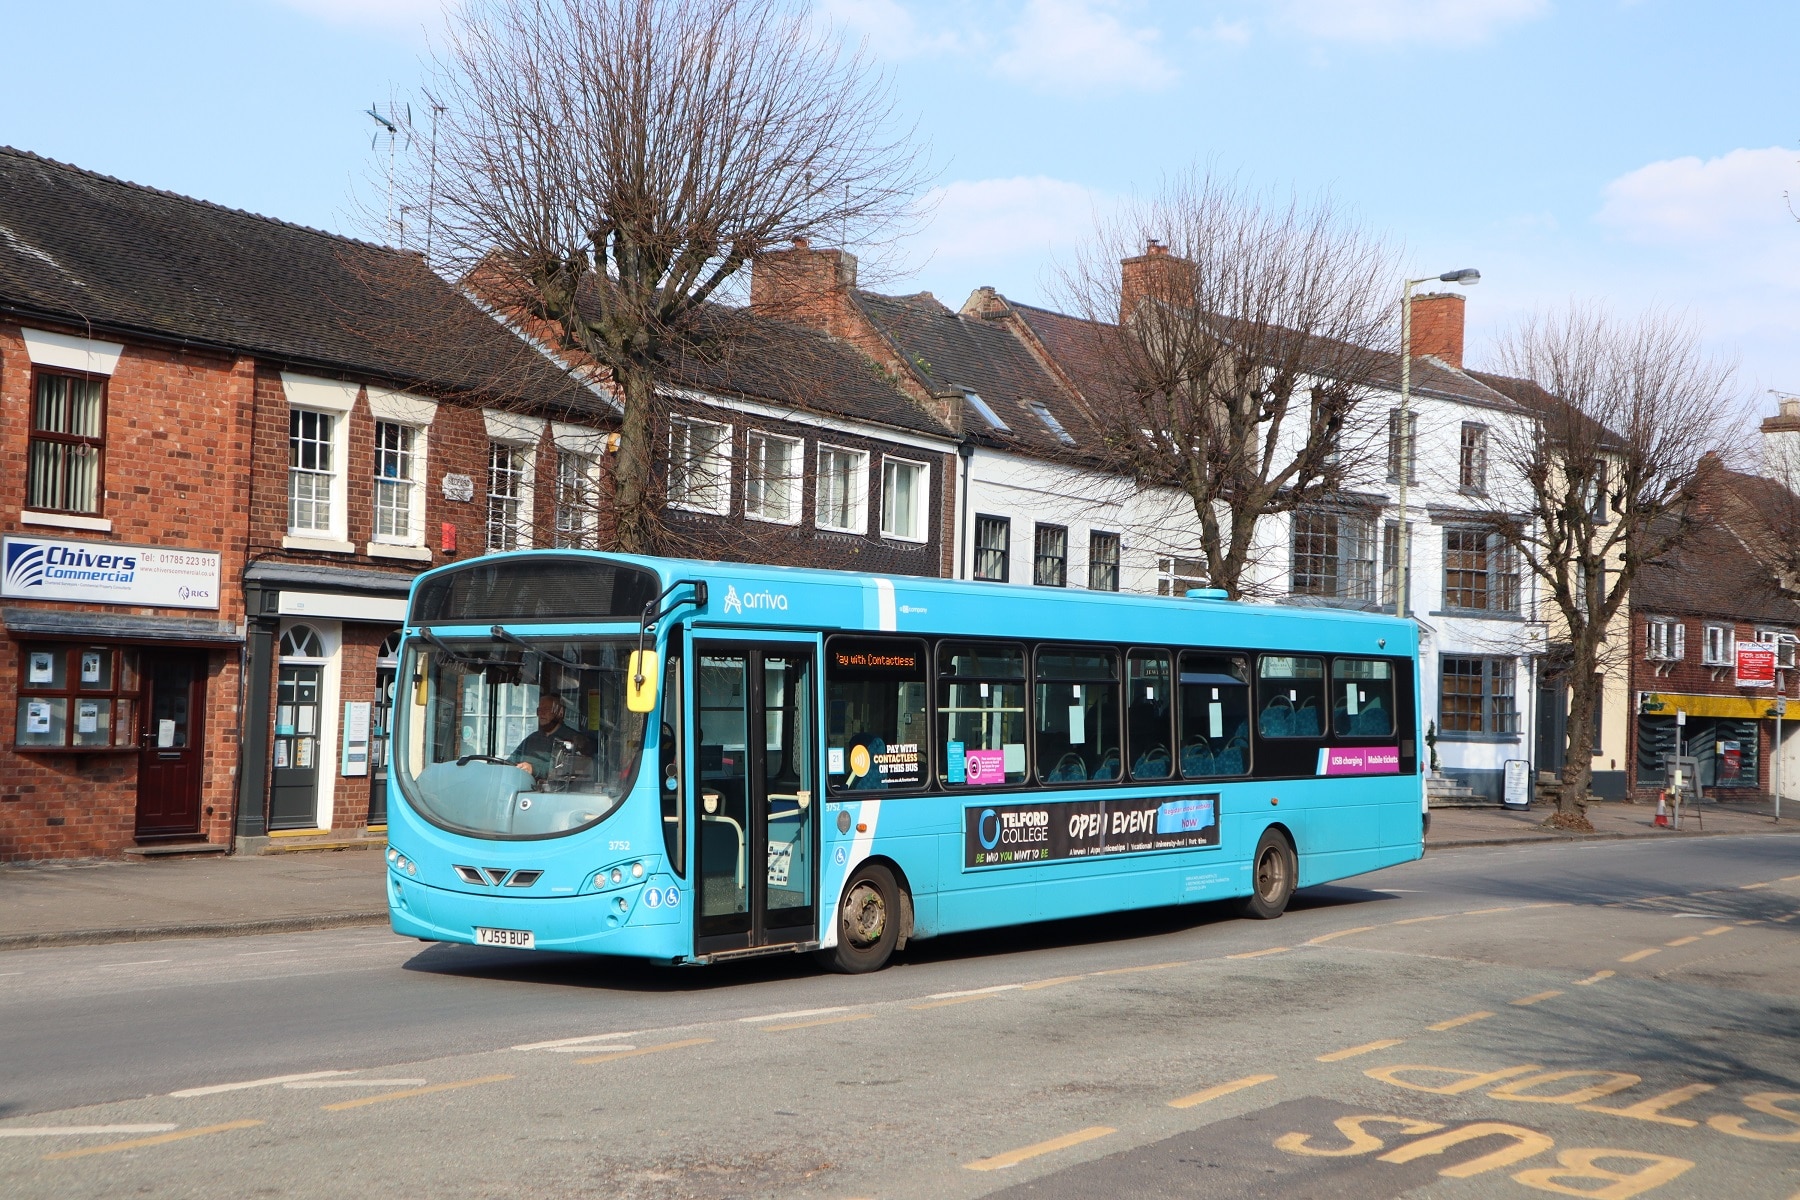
(965, 450)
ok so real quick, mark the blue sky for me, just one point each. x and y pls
(1633, 151)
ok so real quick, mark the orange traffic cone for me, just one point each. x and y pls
(1662, 811)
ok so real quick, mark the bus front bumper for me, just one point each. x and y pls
(586, 924)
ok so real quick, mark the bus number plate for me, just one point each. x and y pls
(517, 939)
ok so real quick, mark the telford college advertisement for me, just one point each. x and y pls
(1009, 834)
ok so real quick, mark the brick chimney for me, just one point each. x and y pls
(805, 285)
(1154, 275)
(1437, 327)
(1781, 444)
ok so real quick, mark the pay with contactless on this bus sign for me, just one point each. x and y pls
(1009, 834)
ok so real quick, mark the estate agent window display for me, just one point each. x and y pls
(78, 698)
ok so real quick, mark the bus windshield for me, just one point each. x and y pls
(516, 739)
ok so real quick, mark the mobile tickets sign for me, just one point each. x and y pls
(1011, 834)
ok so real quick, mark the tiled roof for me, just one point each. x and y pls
(950, 351)
(96, 252)
(1713, 574)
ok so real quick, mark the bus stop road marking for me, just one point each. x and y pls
(575, 1045)
(791, 1016)
(1260, 953)
(1219, 1089)
(409, 1093)
(1422, 920)
(1353, 1051)
(1163, 966)
(998, 987)
(1640, 955)
(1528, 1001)
(1751, 887)
(606, 1058)
(308, 1084)
(81, 1130)
(821, 1021)
(1684, 941)
(1482, 912)
(1465, 1019)
(1596, 977)
(1013, 1158)
(1326, 937)
(1051, 982)
(271, 1081)
(158, 1140)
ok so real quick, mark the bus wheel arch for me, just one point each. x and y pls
(877, 899)
(1274, 873)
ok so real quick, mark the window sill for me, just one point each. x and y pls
(849, 531)
(767, 520)
(910, 541)
(406, 553)
(322, 545)
(1479, 614)
(65, 521)
(682, 506)
(1498, 739)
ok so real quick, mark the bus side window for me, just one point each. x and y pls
(981, 713)
(875, 719)
(1149, 705)
(1215, 715)
(1290, 693)
(1362, 699)
(1077, 714)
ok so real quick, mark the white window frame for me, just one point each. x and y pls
(521, 526)
(1784, 644)
(857, 488)
(1176, 575)
(338, 444)
(1665, 639)
(1723, 638)
(921, 514)
(720, 468)
(760, 439)
(415, 485)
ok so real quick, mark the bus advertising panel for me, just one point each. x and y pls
(1008, 834)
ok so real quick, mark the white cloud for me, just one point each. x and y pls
(1226, 33)
(1067, 45)
(891, 29)
(1455, 22)
(1736, 197)
(409, 16)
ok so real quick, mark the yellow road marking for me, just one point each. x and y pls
(1528, 1001)
(1044, 983)
(159, 1139)
(1219, 1089)
(1013, 1158)
(1684, 941)
(1640, 955)
(1421, 920)
(1453, 1022)
(1787, 918)
(1716, 930)
(1260, 953)
(409, 1093)
(820, 1021)
(1752, 921)
(618, 1054)
(1151, 967)
(1596, 977)
(952, 1000)
(1751, 887)
(1326, 937)
(1353, 1051)
(1790, 878)
(1482, 912)
(1652, 1109)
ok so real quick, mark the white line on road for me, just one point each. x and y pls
(148, 962)
(576, 1042)
(986, 991)
(80, 1130)
(783, 1016)
(343, 1083)
(271, 1081)
(259, 953)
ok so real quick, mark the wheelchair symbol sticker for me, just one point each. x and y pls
(840, 857)
(671, 898)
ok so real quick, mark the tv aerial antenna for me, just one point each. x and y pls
(396, 128)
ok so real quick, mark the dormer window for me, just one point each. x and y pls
(1052, 424)
(987, 413)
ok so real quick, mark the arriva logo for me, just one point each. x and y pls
(738, 602)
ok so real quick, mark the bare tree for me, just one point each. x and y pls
(1625, 412)
(1249, 332)
(603, 169)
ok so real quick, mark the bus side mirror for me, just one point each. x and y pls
(640, 682)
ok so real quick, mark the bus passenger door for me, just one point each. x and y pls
(756, 839)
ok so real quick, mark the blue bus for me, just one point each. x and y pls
(695, 761)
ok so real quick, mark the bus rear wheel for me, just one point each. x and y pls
(868, 922)
(1272, 873)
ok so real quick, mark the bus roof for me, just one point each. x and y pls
(774, 597)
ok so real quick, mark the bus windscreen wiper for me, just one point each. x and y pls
(504, 636)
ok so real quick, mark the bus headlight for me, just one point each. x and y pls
(618, 876)
(624, 904)
(637, 870)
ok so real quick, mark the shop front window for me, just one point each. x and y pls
(77, 697)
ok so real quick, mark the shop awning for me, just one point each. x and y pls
(1743, 708)
(113, 627)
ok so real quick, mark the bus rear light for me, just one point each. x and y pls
(637, 870)
(618, 876)
(624, 904)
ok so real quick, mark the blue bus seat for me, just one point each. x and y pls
(1068, 769)
(1108, 768)
(1153, 763)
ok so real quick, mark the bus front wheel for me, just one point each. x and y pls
(868, 922)
(1272, 873)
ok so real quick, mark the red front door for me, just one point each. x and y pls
(171, 744)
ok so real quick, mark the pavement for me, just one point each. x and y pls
(92, 901)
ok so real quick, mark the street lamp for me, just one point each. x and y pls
(1466, 277)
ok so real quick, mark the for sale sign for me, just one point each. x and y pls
(1756, 664)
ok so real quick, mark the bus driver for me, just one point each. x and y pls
(537, 751)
